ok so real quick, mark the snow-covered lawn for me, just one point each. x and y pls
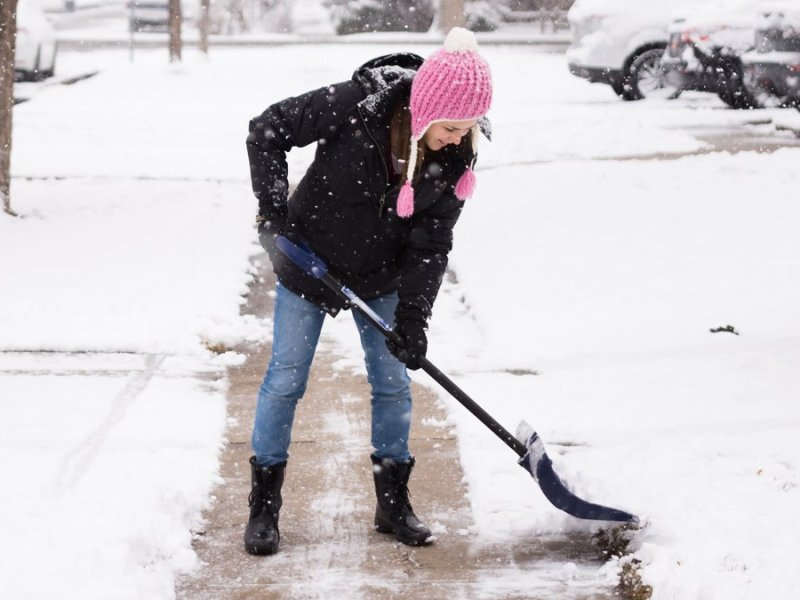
(604, 278)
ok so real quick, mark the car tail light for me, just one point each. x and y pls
(690, 36)
(794, 68)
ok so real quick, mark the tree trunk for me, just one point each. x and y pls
(205, 24)
(175, 42)
(451, 14)
(8, 42)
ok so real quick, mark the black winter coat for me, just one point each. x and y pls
(344, 207)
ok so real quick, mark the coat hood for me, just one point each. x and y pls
(385, 71)
(386, 81)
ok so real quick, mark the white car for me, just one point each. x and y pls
(620, 43)
(36, 47)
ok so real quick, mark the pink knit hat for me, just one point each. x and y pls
(453, 84)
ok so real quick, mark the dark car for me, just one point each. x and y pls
(148, 15)
(705, 48)
(358, 16)
(153, 15)
(772, 69)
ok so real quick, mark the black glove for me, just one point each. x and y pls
(268, 232)
(415, 342)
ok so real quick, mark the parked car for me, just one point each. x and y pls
(772, 68)
(148, 15)
(357, 16)
(36, 47)
(482, 15)
(621, 43)
(153, 15)
(705, 49)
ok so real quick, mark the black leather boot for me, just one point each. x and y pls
(394, 513)
(261, 535)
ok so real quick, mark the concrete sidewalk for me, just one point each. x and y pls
(328, 545)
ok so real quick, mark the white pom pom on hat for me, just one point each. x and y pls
(460, 40)
(453, 84)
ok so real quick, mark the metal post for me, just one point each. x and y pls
(131, 22)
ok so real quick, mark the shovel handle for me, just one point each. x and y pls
(473, 407)
(302, 256)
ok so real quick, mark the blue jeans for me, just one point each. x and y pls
(297, 326)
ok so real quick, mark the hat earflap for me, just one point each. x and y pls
(465, 186)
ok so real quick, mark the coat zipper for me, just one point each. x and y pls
(382, 201)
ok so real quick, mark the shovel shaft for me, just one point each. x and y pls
(484, 417)
(473, 407)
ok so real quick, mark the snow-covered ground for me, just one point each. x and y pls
(584, 296)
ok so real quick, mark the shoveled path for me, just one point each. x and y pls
(328, 546)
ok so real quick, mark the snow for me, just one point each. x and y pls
(589, 269)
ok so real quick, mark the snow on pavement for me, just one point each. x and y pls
(603, 278)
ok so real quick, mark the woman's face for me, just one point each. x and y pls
(443, 133)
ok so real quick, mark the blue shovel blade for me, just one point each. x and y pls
(539, 465)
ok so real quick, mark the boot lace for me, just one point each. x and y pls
(404, 496)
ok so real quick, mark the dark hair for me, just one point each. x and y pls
(400, 136)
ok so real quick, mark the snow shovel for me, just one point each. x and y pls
(527, 444)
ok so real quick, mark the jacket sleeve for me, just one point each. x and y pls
(425, 261)
(293, 122)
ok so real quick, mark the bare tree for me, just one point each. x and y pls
(175, 42)
(8, 43)
(451, 14)
(205, 24)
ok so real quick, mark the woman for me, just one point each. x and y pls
(395, 147)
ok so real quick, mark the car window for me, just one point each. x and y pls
(776, 40)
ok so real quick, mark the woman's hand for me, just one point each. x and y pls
(415, 343)
(268, 232)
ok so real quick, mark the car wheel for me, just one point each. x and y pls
(769, 100)
(766, 96)
(730, 84)
(740, 99)
(647, 79)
